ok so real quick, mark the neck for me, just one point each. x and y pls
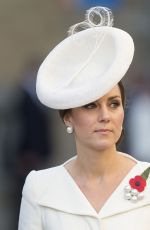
(96, 163)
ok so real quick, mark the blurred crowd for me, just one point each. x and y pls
(30, 132)
(25, 142)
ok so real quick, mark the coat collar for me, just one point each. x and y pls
(117, 204)
(63, 194)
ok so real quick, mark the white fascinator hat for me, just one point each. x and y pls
(87, 64)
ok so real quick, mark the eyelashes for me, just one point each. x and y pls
(90, 106)
(113, 104)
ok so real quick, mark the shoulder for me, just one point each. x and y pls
(143, 164)
(37, 181)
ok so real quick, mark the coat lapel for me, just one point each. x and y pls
(117, 204)
(62, 193)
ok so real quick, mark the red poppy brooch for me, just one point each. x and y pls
(134, 191)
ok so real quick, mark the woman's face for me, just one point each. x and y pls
(98, 125)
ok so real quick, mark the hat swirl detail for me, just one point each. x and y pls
(94, 17)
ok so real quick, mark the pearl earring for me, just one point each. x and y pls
(69, 129)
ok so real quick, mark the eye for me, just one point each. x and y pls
(90, 106)
(115, 104)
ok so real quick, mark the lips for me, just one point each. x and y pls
(103, 130)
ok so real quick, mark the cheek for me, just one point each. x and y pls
(82, 122)
(120, 118)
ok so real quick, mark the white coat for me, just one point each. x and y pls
(53, 201)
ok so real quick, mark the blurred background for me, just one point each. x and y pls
(33, 136)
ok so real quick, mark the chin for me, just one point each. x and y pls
(104, 145)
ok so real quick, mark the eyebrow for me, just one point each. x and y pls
(109, 99)
(113, 97)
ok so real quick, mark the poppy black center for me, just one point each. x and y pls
(137, 183)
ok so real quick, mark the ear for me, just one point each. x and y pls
(68, 119)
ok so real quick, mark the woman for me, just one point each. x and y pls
(100, 187)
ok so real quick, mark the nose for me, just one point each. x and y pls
(104, 114)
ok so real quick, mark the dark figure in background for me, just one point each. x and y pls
(34, 147)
